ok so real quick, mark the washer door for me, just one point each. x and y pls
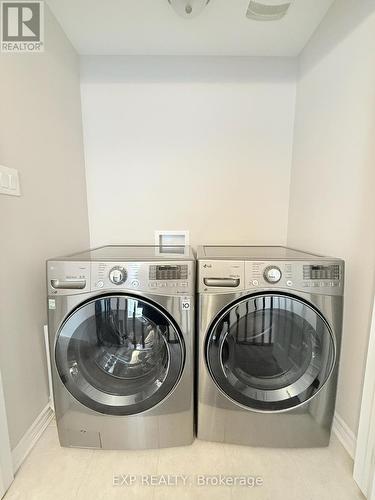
(270, 352)
(119, 355)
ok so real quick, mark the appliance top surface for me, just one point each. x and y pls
(122, 253)
(255, 253)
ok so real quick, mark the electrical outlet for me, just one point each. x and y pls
(9, 181)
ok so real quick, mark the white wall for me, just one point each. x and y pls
(209, 141)
(41, 136)
(332, 204)
(202, 144)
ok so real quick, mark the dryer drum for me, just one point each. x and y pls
(270, 352)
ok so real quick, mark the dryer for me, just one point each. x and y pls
(121, 331)
(270, 322)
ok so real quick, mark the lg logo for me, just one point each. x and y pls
(22, 27)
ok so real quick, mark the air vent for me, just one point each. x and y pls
(267, 10)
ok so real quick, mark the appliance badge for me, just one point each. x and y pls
(51, 304)
(185, 303)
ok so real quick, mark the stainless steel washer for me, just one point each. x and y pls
(269, 341)
(121, 330)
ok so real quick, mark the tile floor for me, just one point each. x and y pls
(53, 473)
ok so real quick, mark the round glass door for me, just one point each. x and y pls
(119, 355)
(270, 352)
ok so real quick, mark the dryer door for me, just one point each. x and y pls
(119, 355)
(270, 352)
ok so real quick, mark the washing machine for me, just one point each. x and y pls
(270, 323)
(121, 334)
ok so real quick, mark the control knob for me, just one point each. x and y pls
(272, 274)
(117, 275)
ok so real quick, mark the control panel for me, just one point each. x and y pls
(161, 278)
(231, 276)
(321, 272)
(168, 272)
(325, 278)
(68, 278)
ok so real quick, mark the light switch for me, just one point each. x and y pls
(9, 181)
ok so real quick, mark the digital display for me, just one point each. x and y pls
(168, 272)
(321, 272)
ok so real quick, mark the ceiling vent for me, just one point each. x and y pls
(267, 10)
(188, 8)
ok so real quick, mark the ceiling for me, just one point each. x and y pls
(151, 27)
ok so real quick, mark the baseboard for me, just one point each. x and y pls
(344, 434)
(31, 436)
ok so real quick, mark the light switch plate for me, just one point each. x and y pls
(9, 181)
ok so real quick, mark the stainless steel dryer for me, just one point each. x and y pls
(121, 330)
(269, 342)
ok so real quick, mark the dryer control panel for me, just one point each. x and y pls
(229, 276)
(325, 278)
